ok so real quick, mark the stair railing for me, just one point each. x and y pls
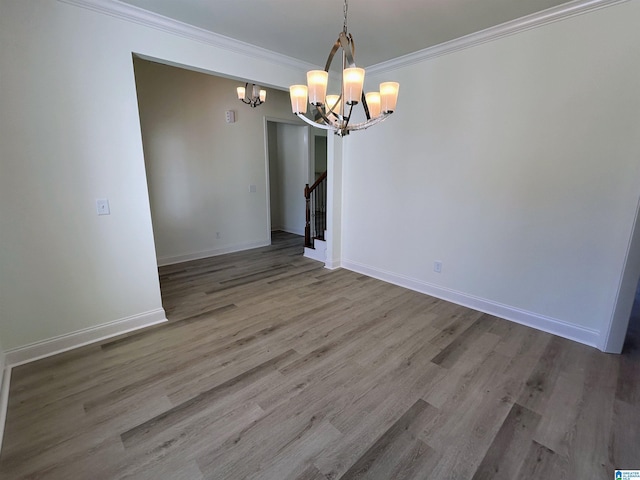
(315, 210)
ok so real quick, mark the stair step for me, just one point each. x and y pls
(318, 252)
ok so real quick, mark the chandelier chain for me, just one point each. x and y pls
(344, 27)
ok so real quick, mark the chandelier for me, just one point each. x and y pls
(333, 112)
(258, 95)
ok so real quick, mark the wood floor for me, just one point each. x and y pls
(272, 367)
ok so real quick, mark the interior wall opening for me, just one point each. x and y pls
(207, 178)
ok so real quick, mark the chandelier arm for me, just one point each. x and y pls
(345, 121)
(337, 102)
(353, 48)
(346, 44)
(365, 106)
(335, 48)
(315, 124)
(337, 114)
(344, 130)
(325, 117)
(368, 123)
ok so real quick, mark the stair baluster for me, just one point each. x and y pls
(315, 210)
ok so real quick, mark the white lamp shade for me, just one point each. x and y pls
(240, 91)
(373, 102)
(388, 96)
(317, 83)
(263, 95)
(332, 102)
(352, 80)
(298, 94)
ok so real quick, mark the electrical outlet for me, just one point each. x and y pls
(437, 266)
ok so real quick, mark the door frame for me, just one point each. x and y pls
(307, 160)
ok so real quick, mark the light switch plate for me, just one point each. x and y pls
(102, 205)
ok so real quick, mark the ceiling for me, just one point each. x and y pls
(307, 29)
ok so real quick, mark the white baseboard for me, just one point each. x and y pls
(35, 351)
(335, 264)
(546, 324)
(170, 260)
(79, 338)
(294, 230)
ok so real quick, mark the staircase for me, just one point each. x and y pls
(318, 251)
(315, 245)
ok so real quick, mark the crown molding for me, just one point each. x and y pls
(550, 15)
(130, 13)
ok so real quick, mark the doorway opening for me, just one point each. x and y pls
(287, 147)
(207, 179)
(319, 154)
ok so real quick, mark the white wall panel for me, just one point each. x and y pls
(516, 164)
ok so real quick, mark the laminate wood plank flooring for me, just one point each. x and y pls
(272, 367)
